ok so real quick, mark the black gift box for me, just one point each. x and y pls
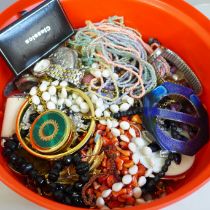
(35, 35)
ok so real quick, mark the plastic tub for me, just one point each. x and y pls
(177, 25)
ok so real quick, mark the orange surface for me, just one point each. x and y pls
(177, 25)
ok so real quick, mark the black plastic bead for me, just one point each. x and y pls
(151, 185)
(76, 158)
(58, 166)
(84, 178)
(40, 181)
(59, 195)
(177, 158)
(33, 173)
(60, 187)
(67, 160)
(7, 152)
(82, 165)
(13, 158)
(53, 177)
(28, 168)
(78, 186)
(11, 145)
(154, 147)
(23, 166)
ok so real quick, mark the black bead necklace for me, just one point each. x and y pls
(67, 194)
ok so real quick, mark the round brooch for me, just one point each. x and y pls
(51, 132)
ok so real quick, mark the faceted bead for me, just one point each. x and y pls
(33, 174)
(168, 162)
(11, 145)
(53, 177)
(58, 166)
(161, 174)
(78, 186)
(7, 152)
(27, 168)
(13, 158)
(84, 178)
(67, 160)
(40, 180)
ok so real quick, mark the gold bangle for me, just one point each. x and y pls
(69, 151)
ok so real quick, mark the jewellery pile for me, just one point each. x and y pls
(106, 121)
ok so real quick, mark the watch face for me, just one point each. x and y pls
(34, 36)
(50, 131)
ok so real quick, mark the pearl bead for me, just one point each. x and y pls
(107, 113)
(148, 172)
(139, 142)
(136, 158)
(64, 93)
(132, 147)
(116, 187)
(60, 102)
(96, 73)
(103, 122)
(94, 98)
(127, 179)
(115, 123)
(147, 151)
(41, 65)
(115, 132)
(35, 100)
(79, 100)
(132, 132)
(124, 138)
(51, 105)
(40, 108)
(98, 112)
(124, 107)
(75, 108)
(106, 73)
(130, 101)
(137, 192)
(55, 83)
(115, 76)
(74, 96)
(54, 99)
(33, 91)
(133, 170)
(100, 202)
(124, 125)
(114, 108)
(109, 124)
(142, 181)
(46, 96)
(52, 90)
(43, 87)
(84, 107)
(106, 193)
(68, 102)
(95, 66)
(64, 84)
